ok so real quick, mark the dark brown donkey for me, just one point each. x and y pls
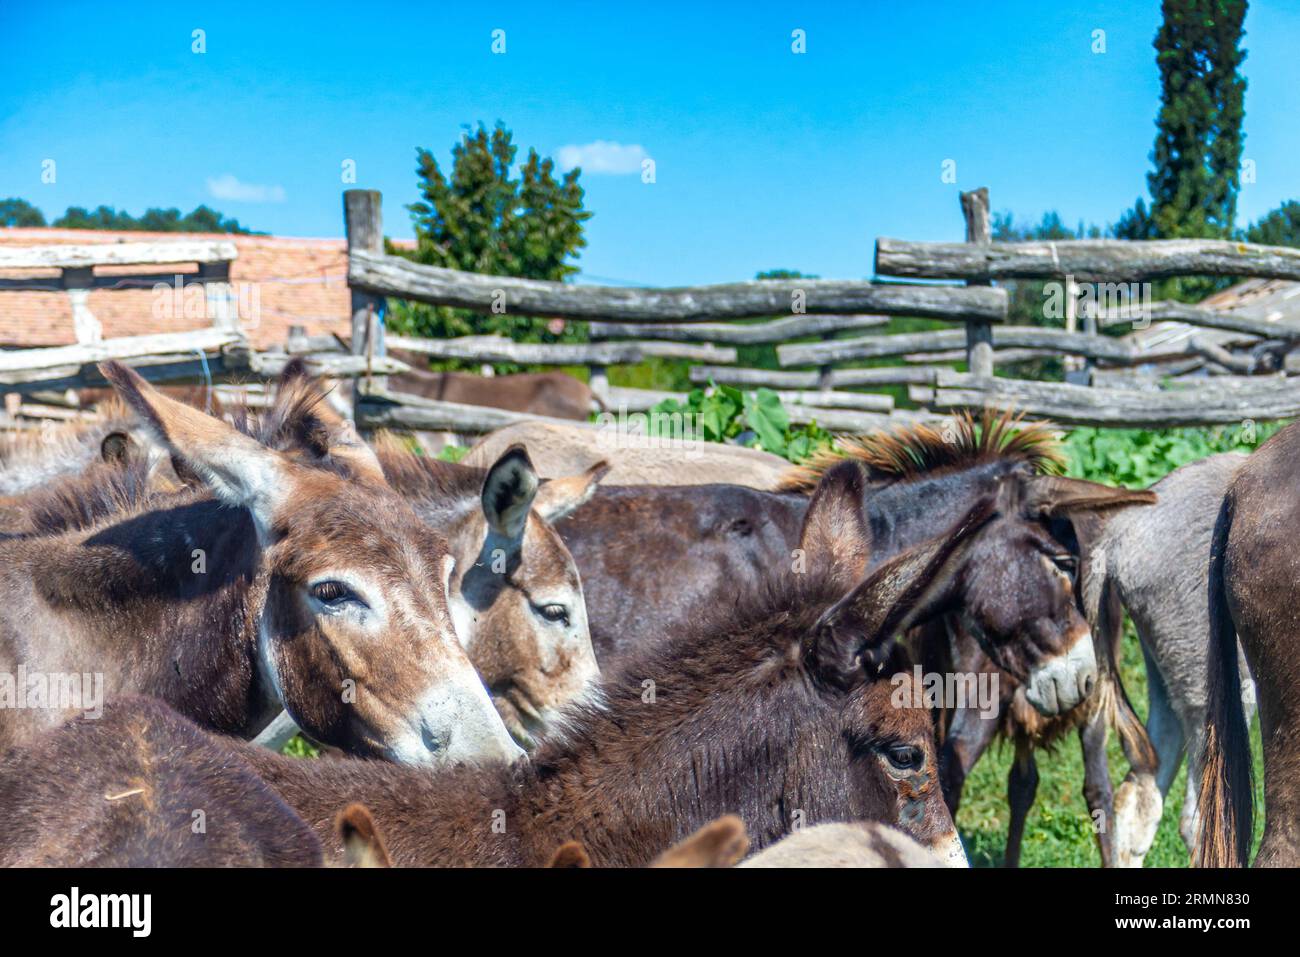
(309, 588)
(1254, 577)
(784, 716)
(651, 556)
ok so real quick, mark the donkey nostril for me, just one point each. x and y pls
(1088, 681)
(432, 742)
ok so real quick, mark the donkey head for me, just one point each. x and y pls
(354, 636)
(850, 651)
(516, 597)
(1019, 584)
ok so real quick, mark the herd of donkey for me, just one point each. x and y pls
(508, 665)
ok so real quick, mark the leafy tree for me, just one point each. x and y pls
(19, 212)
(1281, 227)
(1198, 140)
(1135, 223)
(486, 220)
(201, 220)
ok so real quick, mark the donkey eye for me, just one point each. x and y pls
(335, 594)
(905, 757)
(1066, 563)
(554, 613)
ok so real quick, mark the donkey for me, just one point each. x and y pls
(785, 714)
(720, 843)
(724, 843)
(516, 597)
(309, 588)
(966, 732)
(111, 793)
(856, 844)
(554, 394)
(634, 459)
(677, 548)
(1167, 601)
(1166, 598)
(1252, 588)
(30, 460)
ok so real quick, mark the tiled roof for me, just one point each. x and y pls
(276, 282)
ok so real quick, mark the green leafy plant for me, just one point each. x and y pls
(722, 412)
(1137, 457)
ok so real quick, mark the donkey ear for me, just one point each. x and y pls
(508, 492)
(720, 843)
(559, 497)
(115, 448)
(322, 430)
(570, 854)
(835, 538)
(238, 469)
(363, 845)
(858, 629)
(1056, 495)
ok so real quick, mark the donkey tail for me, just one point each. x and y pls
(1226, 801)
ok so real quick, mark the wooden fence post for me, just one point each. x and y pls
(363, 223)
(979, 335)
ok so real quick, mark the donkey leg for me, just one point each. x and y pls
(969, 734)
(1022, 786)
(1096, 783)
(1189, 821)
(1164, 727)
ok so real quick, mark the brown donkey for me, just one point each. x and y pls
(1254, 575)
(311, 588)
(786, 717)
(516, 597)
(131, 803)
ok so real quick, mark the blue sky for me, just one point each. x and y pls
(763, 158)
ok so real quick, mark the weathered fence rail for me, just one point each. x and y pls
(386, 275)
(1099, 260)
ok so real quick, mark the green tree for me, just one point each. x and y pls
(1281, 227)
(486, 220)
(1198, 140)
(201, 220)
(19, 212)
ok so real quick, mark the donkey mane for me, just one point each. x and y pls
(908, 452)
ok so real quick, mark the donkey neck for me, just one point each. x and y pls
(168, 599)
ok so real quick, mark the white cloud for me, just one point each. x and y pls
(602, 156)
(230, 188)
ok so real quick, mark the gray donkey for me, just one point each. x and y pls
(1155, 562)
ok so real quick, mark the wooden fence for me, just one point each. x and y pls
(1238, 367)
(1116, 381)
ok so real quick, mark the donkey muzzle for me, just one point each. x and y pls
(1060, 683)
